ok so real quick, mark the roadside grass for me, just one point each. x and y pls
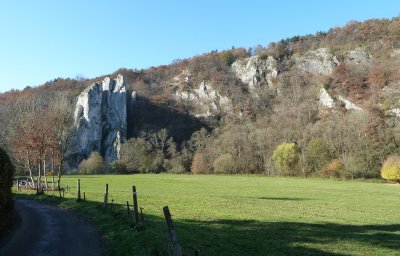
(241, 215)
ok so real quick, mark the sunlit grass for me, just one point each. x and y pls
(245, 215)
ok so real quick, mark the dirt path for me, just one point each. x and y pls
(47, 230)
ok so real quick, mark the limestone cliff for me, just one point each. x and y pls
(100, 121)
(207, 100)
(256, 71)
(318, 62)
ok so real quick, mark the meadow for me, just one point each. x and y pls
(241, 215)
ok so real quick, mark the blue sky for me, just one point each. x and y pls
(44, 39)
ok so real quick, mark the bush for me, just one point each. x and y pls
(227, 58)
(317, 154)
(92, 165)
(50, 173)
(199, 164)
(391, 169)
(333, 169)
(175, 165)
(117, 167)
(286, 157)
(6, 180)
(223, 164)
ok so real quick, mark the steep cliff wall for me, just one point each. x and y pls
(100, 120)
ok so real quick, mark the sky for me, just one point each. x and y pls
(45, 39)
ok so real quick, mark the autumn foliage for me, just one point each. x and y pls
(391, 169)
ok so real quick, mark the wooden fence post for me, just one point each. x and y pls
(135, 206)
(172, 233)
(106, 196)
(79, 190)
(127, 207)
(59, 191)
(84, 196)
(17, 184)
(141, 215)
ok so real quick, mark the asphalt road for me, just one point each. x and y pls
(49, 231)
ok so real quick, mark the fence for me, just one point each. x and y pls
(29, 184)
(138, 216)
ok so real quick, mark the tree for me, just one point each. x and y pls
(6, 180)
(38, 131)
(117, 167)
(62, 122)
(391, 168)
(199, 164)
(92, 165)
(223, 164)
(227, 58)
(137, 155)
(286, 156)
(317, 154)
(333, 169)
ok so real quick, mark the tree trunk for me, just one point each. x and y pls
(39, 181)
(44, 172)
(59, 178)
(30, 168)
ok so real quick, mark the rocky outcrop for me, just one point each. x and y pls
(393, 112)
(207, 100)
(317, 62)
(256, 71)
(325, 99)
(100, 120)
(328, 102)
(357, 56)
(348, 105)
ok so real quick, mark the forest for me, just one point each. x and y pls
(277, 128)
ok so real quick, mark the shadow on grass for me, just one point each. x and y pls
(233, 237)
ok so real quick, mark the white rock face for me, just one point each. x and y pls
(394, 112)
(325, 99)
(255, 71)
(100, 120)
(357, 56)
(348, 104)
(207, 100)
(318, 62)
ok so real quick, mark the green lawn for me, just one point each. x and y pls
(245, 215)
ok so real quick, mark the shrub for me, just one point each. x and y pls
(117, 167)
(92, 165)
(286, 157)
(391, 169)
(227, 58)
(317, 154)
(199, 164)
(50, 173)
(223, 164)
(175, 165)
(333, 169)
(6, 180)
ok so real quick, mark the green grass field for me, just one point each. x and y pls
(244, 215)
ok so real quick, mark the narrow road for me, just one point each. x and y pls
(49, 231)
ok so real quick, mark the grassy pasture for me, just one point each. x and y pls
(243, 215)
